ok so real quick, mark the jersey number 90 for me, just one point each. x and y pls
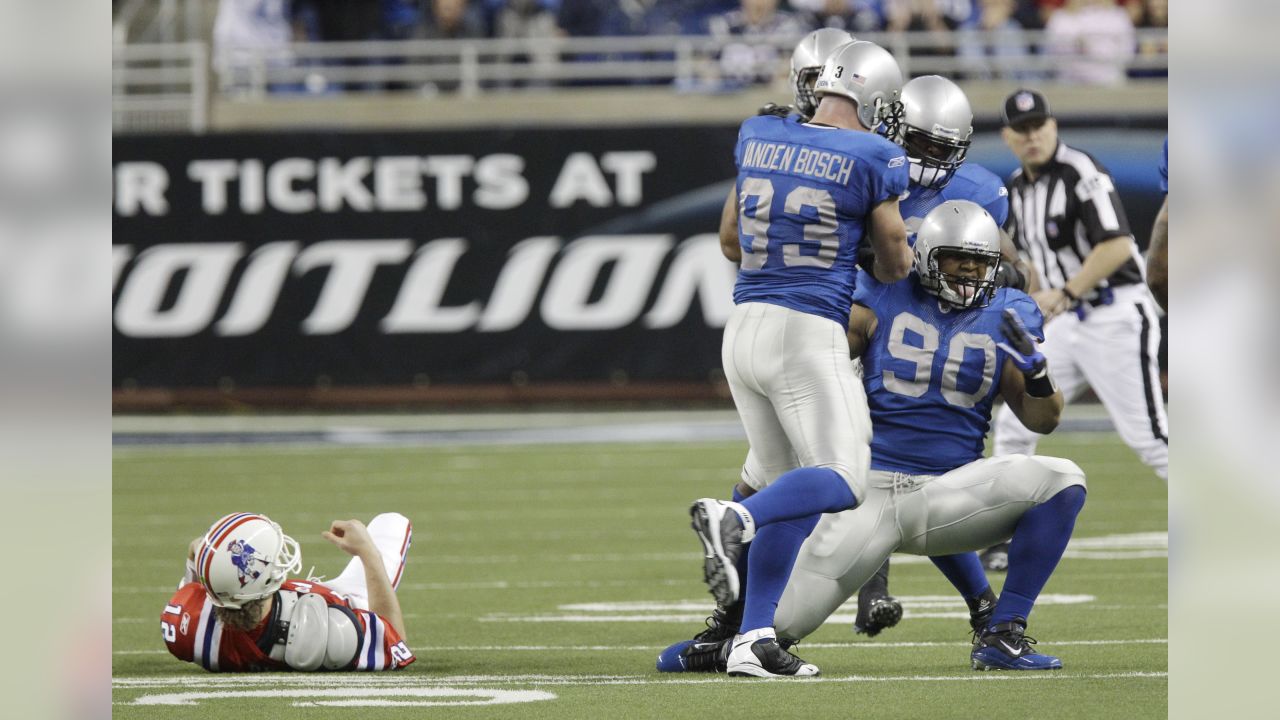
(922, 357)
(820, 233)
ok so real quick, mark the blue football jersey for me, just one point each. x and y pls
(804, 193)
(971, 182)
(1164, 167)
(931, 374)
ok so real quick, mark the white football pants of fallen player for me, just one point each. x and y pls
(392, 534)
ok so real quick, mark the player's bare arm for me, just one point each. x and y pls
(862, 325)
(729, 228)
(1105, 258)
(353, 538)
(1039, 414)
(1158, 257)
(888, 235)
(1025, 383)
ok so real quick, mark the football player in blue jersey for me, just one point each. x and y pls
(935, 352)
(936, 130)
(806, 65)
(807, 196)
(1158, 252)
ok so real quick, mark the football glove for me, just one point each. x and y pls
(772, 109)
(1021, 346)
(867, 259)
(1008, 275)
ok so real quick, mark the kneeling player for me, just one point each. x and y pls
(935, 351)
(237, 610)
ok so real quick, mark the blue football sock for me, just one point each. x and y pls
(1037, 546)
(773, 554)
(798, 494)
(746, 549)
(965, 572)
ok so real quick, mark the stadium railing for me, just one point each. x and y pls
(168, 86)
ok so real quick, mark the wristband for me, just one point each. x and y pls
(1040, 385)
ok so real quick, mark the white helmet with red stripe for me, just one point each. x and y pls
(245, 557)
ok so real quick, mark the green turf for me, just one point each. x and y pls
(503, 534)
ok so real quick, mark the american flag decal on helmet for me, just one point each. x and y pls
(857, 79)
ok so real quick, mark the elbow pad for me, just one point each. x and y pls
(321, 636)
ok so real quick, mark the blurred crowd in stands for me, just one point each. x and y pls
(1093, 41)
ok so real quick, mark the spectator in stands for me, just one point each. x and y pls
(755, 36)
(991, 43)
(1091, 41)
(246, 30)
(934, 16)
(1155, 14)
(592, 18)
(401, 19)
(531, 20)
(453, 20)
(853, 15)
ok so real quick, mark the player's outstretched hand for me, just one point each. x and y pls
(351, 536)
(1021, 346)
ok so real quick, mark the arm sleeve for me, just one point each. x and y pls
(180, 619)
(998, 205)
(381, 648)
(1100, 208)
(866, 288)
(1164, 167)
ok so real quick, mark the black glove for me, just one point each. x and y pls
(867, 259)
(772, 109)
(1008, 275)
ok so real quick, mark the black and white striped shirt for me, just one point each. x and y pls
(1058, 218)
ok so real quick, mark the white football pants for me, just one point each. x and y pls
(797, 395)
(969, 508)
(393, 534)
(1113, 351)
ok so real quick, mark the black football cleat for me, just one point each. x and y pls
(1005, 646)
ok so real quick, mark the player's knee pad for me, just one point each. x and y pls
(1053, 475)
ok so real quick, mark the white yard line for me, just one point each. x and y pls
(408, 681)
(652, 648)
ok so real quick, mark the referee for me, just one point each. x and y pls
(1101, 327)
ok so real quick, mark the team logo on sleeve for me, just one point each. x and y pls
(243, 557)
(897, 161)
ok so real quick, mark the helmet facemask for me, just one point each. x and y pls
(806, 101)
(960, 291)
(934, 158)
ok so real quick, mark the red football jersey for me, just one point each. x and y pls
(193, 633)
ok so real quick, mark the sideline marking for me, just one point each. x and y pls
(360, 697)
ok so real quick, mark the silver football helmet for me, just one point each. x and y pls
(866, 74)
(806, 64)
(935, 129)
(958, 228)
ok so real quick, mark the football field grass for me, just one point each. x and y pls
(544, 580)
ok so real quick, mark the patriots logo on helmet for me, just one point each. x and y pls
(243, 557)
